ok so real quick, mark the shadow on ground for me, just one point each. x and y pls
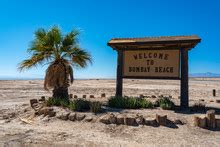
(192, 110)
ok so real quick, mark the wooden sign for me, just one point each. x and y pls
(154, 58)
(151, 64)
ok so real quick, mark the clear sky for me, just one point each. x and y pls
(101, 20)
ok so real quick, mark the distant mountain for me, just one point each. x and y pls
(205, 75)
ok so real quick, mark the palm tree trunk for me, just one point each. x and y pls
(61, 92)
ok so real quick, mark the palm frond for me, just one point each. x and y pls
(70, 40)
(79, 57)
(40, 34)
(38, 47)
(54, 36)
(33, 61)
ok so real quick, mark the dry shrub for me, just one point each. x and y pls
(199, 106)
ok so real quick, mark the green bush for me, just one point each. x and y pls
(81, 105)
(116, 102)
(143, 103)
(64, 103)
(165, 103)
(96, 107)
(75, 105)
(72, 106)
(57, 102)
(129, 103)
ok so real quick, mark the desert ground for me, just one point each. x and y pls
(15, 96)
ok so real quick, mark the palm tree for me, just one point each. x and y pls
(62, 53)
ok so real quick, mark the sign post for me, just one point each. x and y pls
(184, 91)
(119, 80)
(154, 58)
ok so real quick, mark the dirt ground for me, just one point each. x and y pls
(14, 102)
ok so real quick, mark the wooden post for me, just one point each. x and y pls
(184, 101)
(196, 121)
(119, 80)
(211, 119)
(214, 92)
(200, 122)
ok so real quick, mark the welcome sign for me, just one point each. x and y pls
(154, 58)
(151, 63)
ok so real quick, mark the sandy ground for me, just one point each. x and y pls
(15, 96)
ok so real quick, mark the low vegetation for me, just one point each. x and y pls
(76, 105)
(57, 102)
(81, 105)
(96, 107)
(129, 103)
(199, 106)
(165, 103)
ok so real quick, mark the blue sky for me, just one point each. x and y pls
(101, 20)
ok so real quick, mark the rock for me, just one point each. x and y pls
(153, 96)
(52, 114)
(140, 120)
(104, 119)
(6, 116)
(217, 122)
(11, 115)
(88, 118)
(33, 101)
(91, 96)
(120, 119)
(43, 110)
(72, 116)
(46, 111)
(63, 115)
(217, 101)
(161, 96)
(70, 96)
(161, 119)
(151, 122)
(37, 106)
(42, 99)
(103, 95)
(130, 120)
(80, 116)
(112, 118)
(178, 122)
